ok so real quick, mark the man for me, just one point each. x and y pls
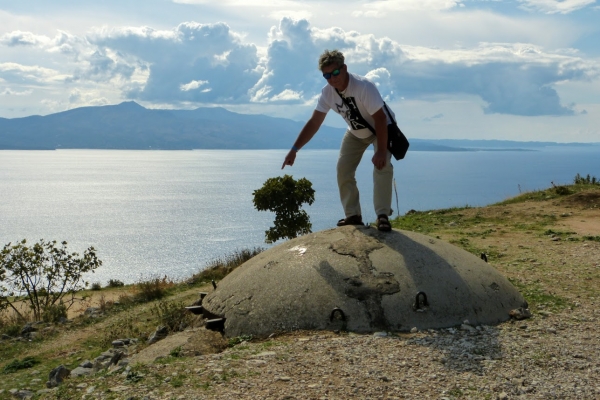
(359, 102)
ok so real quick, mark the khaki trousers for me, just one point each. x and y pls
(351, 152)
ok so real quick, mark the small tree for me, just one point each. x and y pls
(285, 196)
(43, 276)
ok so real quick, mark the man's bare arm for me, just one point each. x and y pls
(310, 128)
(380, 158)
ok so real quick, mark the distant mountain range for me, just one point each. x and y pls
(131, 126)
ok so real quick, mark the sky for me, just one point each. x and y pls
(526, 70)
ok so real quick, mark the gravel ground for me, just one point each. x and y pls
(545, 357)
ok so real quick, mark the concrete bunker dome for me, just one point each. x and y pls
(362, 280)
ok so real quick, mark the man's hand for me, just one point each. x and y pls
(379, 159)
(310, 128)
(289, 159)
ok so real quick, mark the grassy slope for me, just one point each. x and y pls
(529, 239)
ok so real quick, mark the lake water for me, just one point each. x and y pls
(155, 213)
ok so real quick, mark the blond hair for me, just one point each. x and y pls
(330, 57)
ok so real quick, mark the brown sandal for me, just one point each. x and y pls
(383, 223)
(352, 220)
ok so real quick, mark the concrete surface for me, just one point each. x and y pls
(371, 276)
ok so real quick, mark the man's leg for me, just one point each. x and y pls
(351, 152)
(382, 186)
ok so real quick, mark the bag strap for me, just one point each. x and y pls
(390, 114)
(358, 115)
(362, 120)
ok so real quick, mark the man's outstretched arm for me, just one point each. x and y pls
(310, 128)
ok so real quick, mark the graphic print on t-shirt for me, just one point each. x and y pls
(349, 110)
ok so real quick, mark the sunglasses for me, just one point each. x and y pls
(335, 72)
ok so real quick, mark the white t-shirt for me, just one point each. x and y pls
(360, 92)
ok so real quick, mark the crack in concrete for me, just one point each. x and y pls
(370, 286)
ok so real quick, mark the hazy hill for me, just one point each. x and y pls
(131, 126)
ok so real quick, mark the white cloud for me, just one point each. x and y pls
(18, 38)
(190, 52)
(105, 65)
(85, 61)
(556, 6)
(428, 23)
(383, 80)
(491, 64)
(29, 74)
(10, 92)
(369, 7)
(287, 95)
(382, 9)
(77, 98)
(193, 85)
(63, 42)
(512, 78)
(195, 64)
(273, 4)
(487, 53)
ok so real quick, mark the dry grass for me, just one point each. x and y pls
(221, 267)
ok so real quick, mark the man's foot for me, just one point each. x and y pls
(353, 220)
(383, 223)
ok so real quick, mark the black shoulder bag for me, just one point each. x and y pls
(397, 142)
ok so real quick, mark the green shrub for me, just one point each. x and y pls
(562, 190)
(134, 376)
(125, 299)
(54, 313)
(176, 352)
(11, 323)
(96, 286)
(285, 196)
(16, 365)
(114, 283)
(172, 314)
(127, 326)
(42, 275)
(153, 289)
(234, 341)
(588, 180)
(12, 330)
